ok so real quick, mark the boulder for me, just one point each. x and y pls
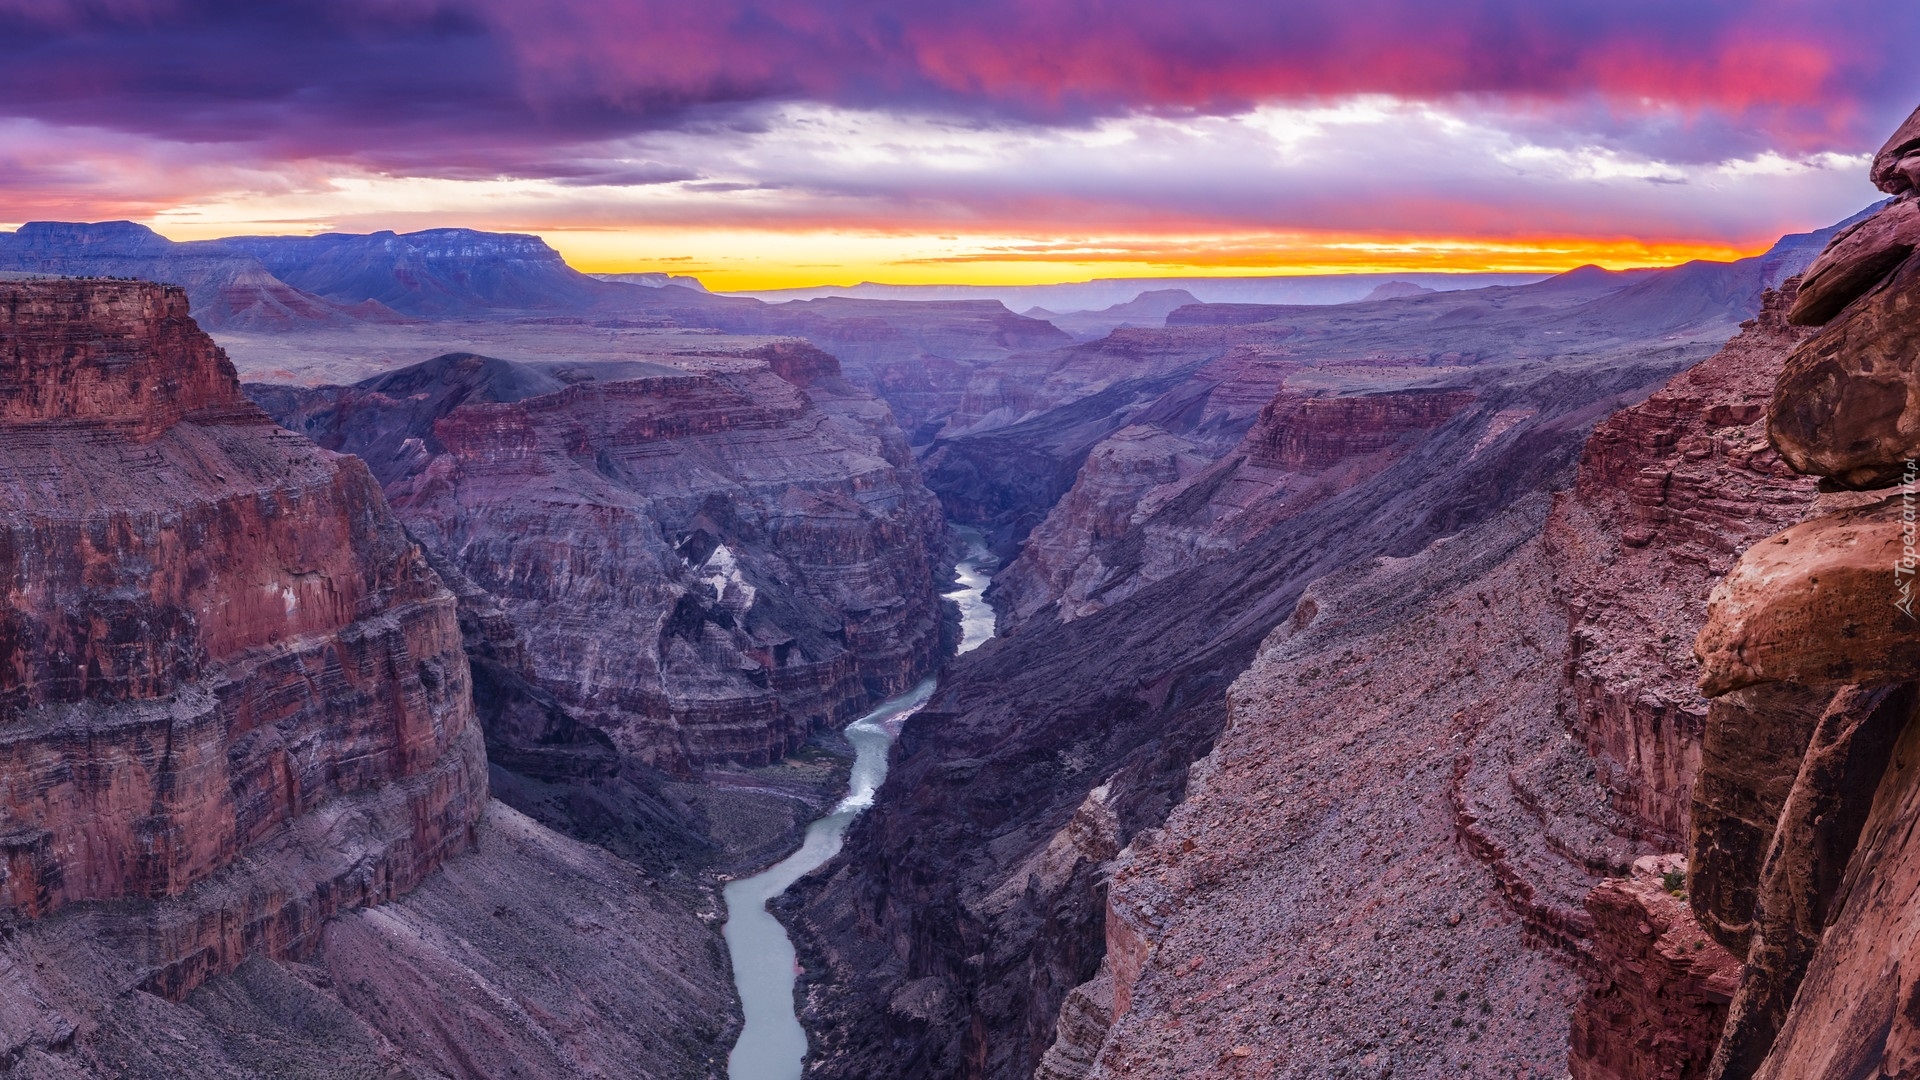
(1855, 261)
(1826, 603)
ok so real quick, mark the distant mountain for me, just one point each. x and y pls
(1394, 290)
(227, 289)
(295, 282)
(436, 274)
(656, 280)
(1150, 308)
(1697, 294)
(1102, 293)
(1692, 298)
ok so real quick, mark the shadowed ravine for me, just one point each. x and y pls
(772, 1044)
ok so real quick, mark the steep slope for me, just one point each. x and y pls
(1803, 857)
(245, 831)
(971, 901)
(704, 557)
(1525, 686)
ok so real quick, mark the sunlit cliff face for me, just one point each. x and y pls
(761, 143)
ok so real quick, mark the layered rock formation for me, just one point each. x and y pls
(1464, 865)
(212, 630)
(1802, 854)
(217, 646)
(1297, 913)
(1668, 494)
(1656, 1008)
(244, 778)
(704, 557)
(963, 930)
(1148, 503)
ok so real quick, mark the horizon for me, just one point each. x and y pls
(767, 144)
(1539, 270)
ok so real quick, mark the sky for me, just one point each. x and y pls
(769, 143)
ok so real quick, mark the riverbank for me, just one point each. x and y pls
(772, 1045)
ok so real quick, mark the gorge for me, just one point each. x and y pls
(531, 701)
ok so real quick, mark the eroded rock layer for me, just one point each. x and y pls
(1669, 492)
(1803, 816)
(705, 557)
(218, 649)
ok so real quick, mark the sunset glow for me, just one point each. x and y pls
(768, 143)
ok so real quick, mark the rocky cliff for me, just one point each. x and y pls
(217, 646)
(1802, 856)
(245, 783)
(1668, 494)
(962, 932)
(1148, 502)
(211, 630)
(1383, 862)
(704, 557)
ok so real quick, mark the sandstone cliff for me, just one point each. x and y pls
(245, 782)
(1383, 864)
(1802, 852)
(704, 557)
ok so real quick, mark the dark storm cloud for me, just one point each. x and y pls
(474, 86)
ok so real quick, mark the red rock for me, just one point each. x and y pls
(1657, 988)
(706, 558)
(1148, 503)
(1896, 168)
(1817, 605)
(1843, 407)
(1668, 493)
(1857, 1011)
(1857, 259)
(215, 643)
(1818, 828)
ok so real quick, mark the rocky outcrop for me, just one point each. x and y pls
(1669, 492)
(1663, 986)
(1802, 823)
(217, 645)
(1859, 258)
(1896, 168)
(705, 557)
(1148, 503)
(1843, 410)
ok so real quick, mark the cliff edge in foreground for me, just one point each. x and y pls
(241, 780)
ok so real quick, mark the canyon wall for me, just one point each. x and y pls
(1802, 851)
(246, 827)
(704, 557)
(1382, 863)
(212, 629)
(1387, 863)
(951, 935)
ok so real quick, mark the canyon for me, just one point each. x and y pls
(248, 828)
(1344, 717)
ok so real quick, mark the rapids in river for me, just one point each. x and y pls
(772, 1044)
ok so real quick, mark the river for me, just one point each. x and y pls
(772, 1044)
